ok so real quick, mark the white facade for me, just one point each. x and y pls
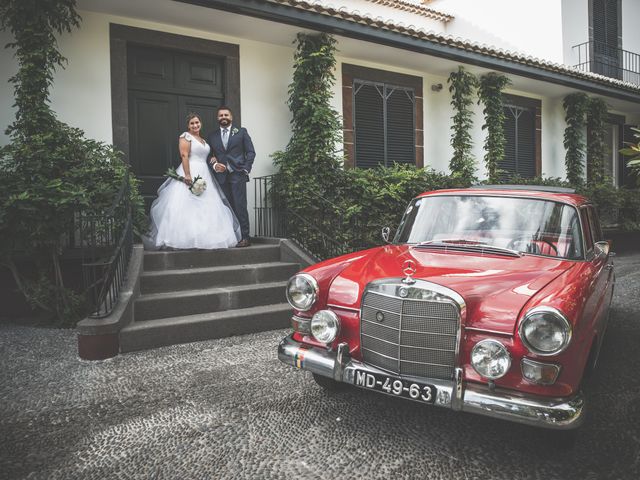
(81, 95)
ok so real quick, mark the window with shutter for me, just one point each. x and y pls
(383, 124)
(369, 124)
(382, 116)
(522, 138)
(605, 24)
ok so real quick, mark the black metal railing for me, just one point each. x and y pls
(324, 232)
(106, 242)
(598, 57)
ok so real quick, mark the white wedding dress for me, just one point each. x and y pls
(180, 219)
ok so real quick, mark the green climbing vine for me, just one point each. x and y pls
(462, 85)
(490, 95)
(596, 126)
(575, 107)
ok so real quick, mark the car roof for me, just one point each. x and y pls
(555, 194)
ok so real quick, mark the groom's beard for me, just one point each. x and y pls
(224, 123)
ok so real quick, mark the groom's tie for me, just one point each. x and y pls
(225, 137)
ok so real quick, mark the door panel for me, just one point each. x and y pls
(153, 134)
(150, 69)
(199, 75)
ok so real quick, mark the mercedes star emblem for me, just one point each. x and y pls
(409, 269)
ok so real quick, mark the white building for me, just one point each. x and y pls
(136, 67)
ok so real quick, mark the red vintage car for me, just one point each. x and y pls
(489, 300)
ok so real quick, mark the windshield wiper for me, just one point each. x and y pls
(462, 244)
(457, 241)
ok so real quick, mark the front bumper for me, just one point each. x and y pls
(554, 413)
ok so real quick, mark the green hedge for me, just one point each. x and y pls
(358, 202)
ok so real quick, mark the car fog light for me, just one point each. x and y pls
(545, 331)
(325, 326)
(302, 291)
(540, 373)
(490, 359)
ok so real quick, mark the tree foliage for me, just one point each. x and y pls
(490, 95)
(575, 107)
(462, 85)
(48, 171)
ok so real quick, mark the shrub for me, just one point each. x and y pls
(632, 150)
(49, 171)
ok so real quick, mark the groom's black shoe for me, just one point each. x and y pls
(243, 243)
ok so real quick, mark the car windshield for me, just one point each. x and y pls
(528, 225)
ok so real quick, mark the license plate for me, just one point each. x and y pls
(398, 387)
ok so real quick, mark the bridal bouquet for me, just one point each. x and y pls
(198, 185)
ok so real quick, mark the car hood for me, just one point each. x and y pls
(495, 287)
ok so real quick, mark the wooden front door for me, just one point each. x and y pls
(163, 87)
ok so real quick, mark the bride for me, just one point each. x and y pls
(180, 219)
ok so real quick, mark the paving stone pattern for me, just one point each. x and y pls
(227, 409)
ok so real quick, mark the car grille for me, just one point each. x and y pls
(409, 336)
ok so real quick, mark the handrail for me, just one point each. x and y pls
(107, 241)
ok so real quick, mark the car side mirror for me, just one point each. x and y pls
(386, 232)
(603, 247)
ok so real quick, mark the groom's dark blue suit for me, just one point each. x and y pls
(238, 158)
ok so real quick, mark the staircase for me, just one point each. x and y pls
(192, 295)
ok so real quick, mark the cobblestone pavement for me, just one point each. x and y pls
(229, 409)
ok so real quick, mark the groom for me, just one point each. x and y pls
(232, 155)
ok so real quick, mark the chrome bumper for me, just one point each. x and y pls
(559, 414)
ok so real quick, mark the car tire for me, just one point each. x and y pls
(329, 384)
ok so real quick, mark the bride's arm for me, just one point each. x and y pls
(185, 147)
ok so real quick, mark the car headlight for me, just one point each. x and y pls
(490, 359)
(325, 326)
(545, 331)
(302, 291)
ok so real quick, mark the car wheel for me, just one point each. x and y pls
(329, 384)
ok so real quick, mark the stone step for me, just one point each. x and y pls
(192, 328)
(179, 259)
(156, 281)
(190, 302)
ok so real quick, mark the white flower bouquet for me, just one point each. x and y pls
(198, 184)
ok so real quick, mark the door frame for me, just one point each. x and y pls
(121, 35)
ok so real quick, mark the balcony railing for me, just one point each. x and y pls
(598, 57)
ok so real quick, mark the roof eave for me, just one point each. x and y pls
(293, 16)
